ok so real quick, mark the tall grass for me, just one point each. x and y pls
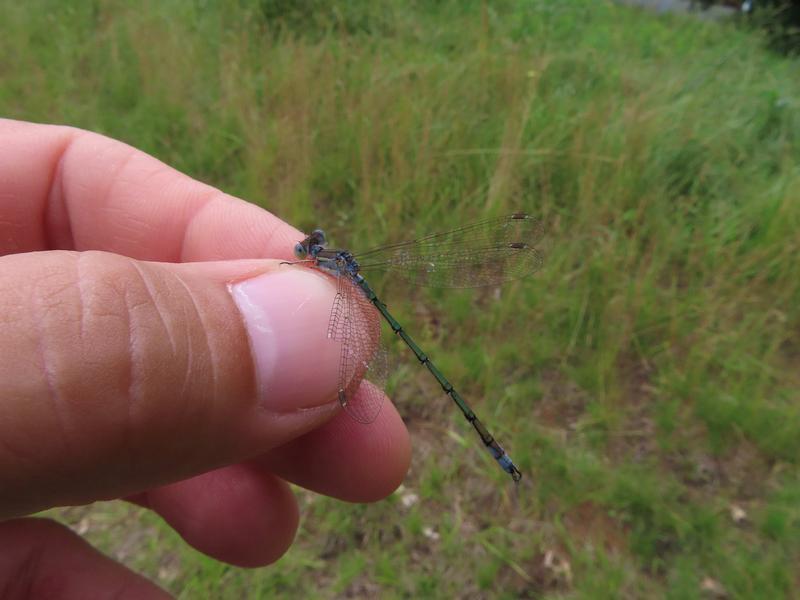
(646, 379)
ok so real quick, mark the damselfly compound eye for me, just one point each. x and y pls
(319, 235)
(300, 250)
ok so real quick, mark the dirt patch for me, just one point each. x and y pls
(562, 405)
(635, 440)
(590, 523)
(746, 470)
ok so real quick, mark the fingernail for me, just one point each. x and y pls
(286, 314)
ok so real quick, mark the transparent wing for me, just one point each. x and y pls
(355, 323)
(482, 254)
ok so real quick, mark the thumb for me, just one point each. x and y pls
(118, 375)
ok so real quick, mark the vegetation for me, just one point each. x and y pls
(646, 380)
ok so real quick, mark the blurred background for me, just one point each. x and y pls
(645, 380)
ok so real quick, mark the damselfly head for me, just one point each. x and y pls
(312, 244)
(318, 237)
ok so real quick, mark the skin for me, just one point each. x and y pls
(126, 369)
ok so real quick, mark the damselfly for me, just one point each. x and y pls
(483, 254)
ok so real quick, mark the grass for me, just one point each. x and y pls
(646, 380)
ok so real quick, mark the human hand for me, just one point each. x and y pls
(192, 388)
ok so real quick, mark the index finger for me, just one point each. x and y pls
(63, 188)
